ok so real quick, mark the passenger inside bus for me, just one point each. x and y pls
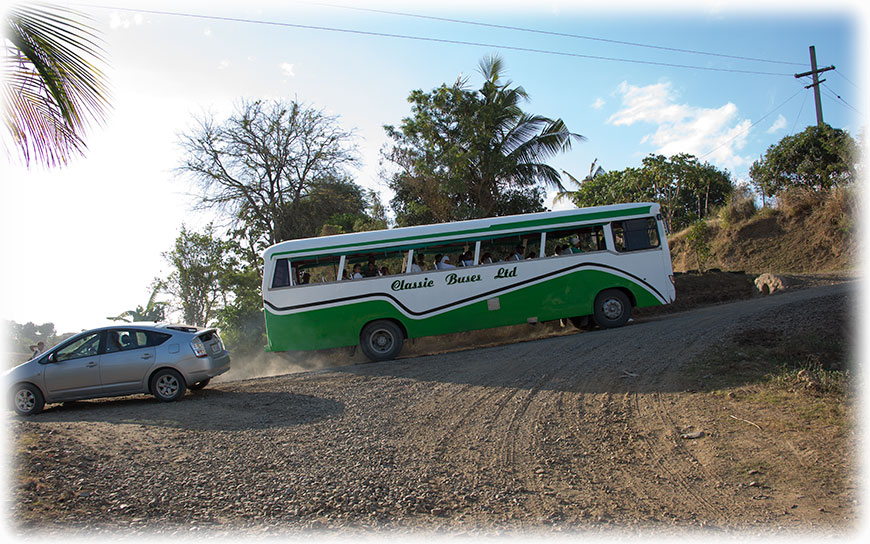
(442, 262)
(357, 272)
(418, 266)
(371, 269)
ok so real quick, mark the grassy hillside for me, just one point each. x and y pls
(806, 233)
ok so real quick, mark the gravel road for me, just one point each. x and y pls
(576, 432)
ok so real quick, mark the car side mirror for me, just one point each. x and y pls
(52, 357)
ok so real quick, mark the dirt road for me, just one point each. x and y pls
(595, 431)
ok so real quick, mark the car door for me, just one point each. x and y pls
(126, 358)
(73, 370)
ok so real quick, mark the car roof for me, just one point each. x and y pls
(148, 325)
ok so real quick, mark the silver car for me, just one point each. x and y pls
(163, 360)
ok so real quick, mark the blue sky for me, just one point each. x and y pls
(84, 242)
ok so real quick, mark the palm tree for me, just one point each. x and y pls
(52, 87)
(520, 142)
(594, 171)
(153, 311)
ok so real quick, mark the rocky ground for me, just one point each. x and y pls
(597, 431)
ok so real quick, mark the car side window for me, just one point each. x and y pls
(86, 346)
(125, 340)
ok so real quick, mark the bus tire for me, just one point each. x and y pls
(381, 340)
(612, 309)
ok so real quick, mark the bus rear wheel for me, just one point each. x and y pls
(381, 340)
(612, 309)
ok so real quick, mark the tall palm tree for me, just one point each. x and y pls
(520, 142)
(52, 87)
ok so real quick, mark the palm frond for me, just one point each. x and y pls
(52, 86)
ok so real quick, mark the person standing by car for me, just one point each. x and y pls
(37, 350)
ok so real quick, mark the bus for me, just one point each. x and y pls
(376, 289)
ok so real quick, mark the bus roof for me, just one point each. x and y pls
(416, 236)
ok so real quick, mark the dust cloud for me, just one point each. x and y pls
(264, 365)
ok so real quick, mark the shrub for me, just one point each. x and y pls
(698, 244)
(739, 207)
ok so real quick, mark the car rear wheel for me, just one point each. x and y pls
(167, 385)
(381, 340)
(27, 399)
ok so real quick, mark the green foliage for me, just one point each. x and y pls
(699, 245)
(240, 320)
(198, 262)
(152, 311)
(819, 158)
(686, 189)
(465, 154)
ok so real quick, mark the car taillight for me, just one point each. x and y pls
(198, 348)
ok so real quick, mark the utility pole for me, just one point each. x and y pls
(815, 84)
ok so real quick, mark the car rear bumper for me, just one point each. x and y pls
(211, 366)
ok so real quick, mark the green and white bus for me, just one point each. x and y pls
(587, 265)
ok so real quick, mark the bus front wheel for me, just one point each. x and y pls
(382, 340)
(612, 309)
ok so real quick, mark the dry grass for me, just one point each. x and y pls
(808, 232)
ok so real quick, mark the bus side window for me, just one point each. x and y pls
(281, 278)
(634, 234)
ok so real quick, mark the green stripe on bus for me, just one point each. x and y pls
(569, 295)
(532, 225)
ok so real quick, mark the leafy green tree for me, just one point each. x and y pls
(240, 317)
(198, 263)
(464, 154)
(819, 158)
(686, 189)
(259, 165)
(52, 87)
(154, 310)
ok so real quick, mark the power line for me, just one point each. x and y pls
(429, 39)
(833, 94)
(552, 33)
(800, 111)
(847, 79)
(762, 118)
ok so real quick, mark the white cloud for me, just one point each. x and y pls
(682, 128)
(779, 124)
(118, 20)
(598, 104)
(287, 68)
(224, 64)
(206, 32)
